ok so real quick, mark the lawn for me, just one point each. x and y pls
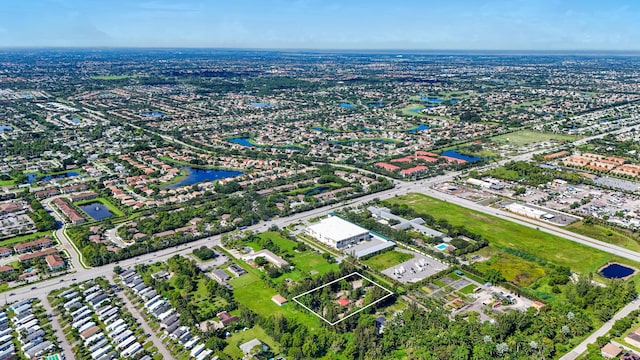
(527, 137)
(603, 233)
(242, 337)
(9, 182)
(502, 233)
(22, 238)
(515, 270)
(252, 292)
(468, 289)
(304, 262)
(387, 259)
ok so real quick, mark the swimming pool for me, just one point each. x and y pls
(442, 247)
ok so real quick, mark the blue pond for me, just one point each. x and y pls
(75, 120)
(376, 104)
(420, 127)
(241, 141)
(261, 105)
(5, 128)
(457, 155)
(346, 105)
(616, 271)
(153, 114)
(97, 211)
(32, 177)
(436, 100)
(199, 175)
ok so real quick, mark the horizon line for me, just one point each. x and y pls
(310, 49)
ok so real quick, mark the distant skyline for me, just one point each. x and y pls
(324, 24)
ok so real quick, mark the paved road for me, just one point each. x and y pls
(162, 349)
(582, 347)
(55, 324)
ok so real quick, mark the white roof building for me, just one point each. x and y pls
(337, 232)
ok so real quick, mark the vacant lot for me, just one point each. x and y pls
(580, 258)
(528, 137)
(252, 292)
(515, 270)
(603, 233)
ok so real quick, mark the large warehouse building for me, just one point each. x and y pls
(337, 232)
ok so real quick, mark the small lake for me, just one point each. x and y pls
(5, 128)
(435, 100)
(200, 175)
(97, 211)
(616, 271)
(375, 104)
(261, 105)
(420, 127)
(32, 177)
(457, 155)
(153, 114)
(242, 141)
(75, 120)
(346, 105)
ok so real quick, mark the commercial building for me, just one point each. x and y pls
(338, 233)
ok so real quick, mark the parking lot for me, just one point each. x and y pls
(416, 269)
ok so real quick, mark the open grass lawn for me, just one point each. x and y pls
(7, 182)
(304, 262)
(613, 236)
(502, 233)
(527, 137)
(515, 270)
(468, 289)
(387, 259)
(252, 292)
(22, 238)
(242, 337)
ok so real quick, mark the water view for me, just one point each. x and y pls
(97, 211)
(153, 114)
(420, 127)
(346, 105)
(242, 141)
(200, 175)
(457, 155)
(33, 177)
(261, 105)
(616, 271)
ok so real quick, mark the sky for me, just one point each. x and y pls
(324, 24)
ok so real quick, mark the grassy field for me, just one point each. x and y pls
(612, 236)
(527, 137)
(515, 270)
(252, 292)
(304, 262)
(19, 239)
(468, 289)
(387, 259)
(502, 233)
(10, 182)
(242, 337)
